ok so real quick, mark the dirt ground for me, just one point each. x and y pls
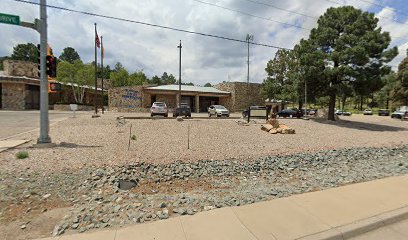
(83, 141)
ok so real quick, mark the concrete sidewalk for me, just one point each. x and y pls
(338, 213)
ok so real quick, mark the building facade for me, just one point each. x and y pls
(20, 88)
(236, 96)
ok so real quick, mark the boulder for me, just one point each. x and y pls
(273, 122)
(266, 127)
(273, 131)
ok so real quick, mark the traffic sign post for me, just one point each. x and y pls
(9, 19)
(40, 25)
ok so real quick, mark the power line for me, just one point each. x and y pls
(252, 15)
(384, 6)
(282, 9)
(332, 1)
(151, 24)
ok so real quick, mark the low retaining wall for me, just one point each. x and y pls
(66, 107)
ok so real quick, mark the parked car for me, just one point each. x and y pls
(383, 112)
(290, 113)
(159, 108)
(368, 112)
(312, 111)
(343, 113)
(218, 111)
(399, 114)
(182, 110)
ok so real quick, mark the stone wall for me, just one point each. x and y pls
(13, 96)
(170, 100)
(126, 99)
(243, 95)
(67, 107)
(20, 68)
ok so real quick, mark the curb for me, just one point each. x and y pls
(360, 227)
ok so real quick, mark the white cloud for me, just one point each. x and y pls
(155, 50)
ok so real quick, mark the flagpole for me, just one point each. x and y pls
(96, 77)
(102, 55)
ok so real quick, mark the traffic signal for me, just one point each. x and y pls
(54, 87)
(51, 66)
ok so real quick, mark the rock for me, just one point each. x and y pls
(162, 205)
(116, 208)
(273, 131)
(266, 127)
(75, 225)
(180, 118)
(119, 200)
(46, 196)
(279, 130)
(207, 208)
(273, 122)
(23, 226)
(190, 212)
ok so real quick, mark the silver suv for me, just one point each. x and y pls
(159, 108)
(218, 111)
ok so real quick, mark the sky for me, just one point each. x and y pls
(204, 59)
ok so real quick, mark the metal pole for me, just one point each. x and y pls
(305, 97)
(102, 55)
(96, 77)
(248, 63)
(44, 120)
(179, 46)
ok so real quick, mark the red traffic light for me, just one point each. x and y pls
(51, 66)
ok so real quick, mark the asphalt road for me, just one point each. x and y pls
(15, 122)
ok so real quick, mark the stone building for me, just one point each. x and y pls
(235, 96)
(20, 88)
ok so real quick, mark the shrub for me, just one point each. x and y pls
(133, 137)
(22, 154)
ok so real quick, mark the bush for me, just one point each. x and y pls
(22, 154)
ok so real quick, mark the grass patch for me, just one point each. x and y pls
(22, 154)
(133, 137)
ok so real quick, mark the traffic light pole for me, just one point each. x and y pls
(44, 120)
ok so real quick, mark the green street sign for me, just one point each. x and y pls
(9, 19)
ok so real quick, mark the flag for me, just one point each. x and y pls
(97, 42)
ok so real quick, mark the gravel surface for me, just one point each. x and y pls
(228, 164)
(98, 197)
(94, 142)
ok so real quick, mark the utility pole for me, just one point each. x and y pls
(179, 47)
(305, 97)
(44, 119)
(102, 72)
(96, 78)
(248, 38)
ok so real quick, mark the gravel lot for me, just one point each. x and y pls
(74, 187)
(97, 142)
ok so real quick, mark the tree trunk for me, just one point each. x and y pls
(361, 103)
(332, 105)
(74, 93)
(343, 99)
(300, 102)
(339, 106)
